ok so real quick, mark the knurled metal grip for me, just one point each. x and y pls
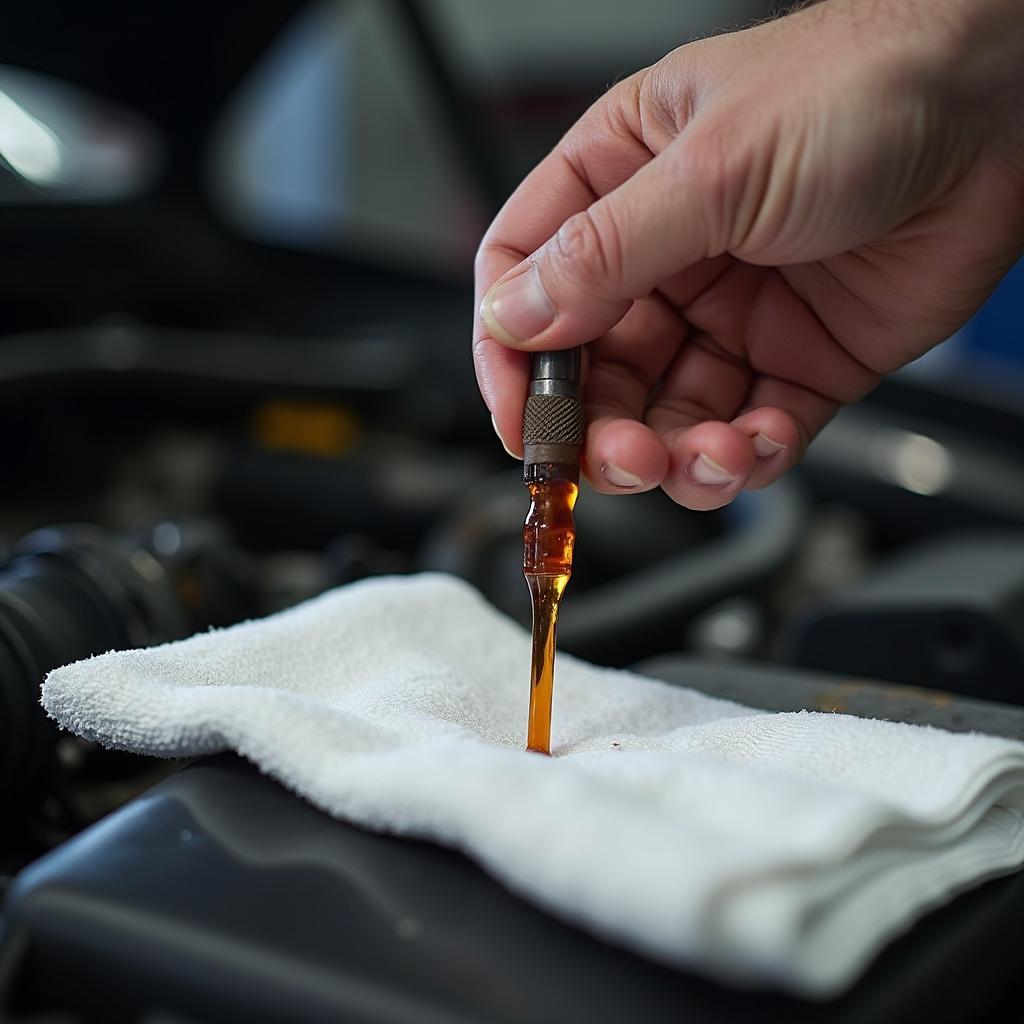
(553, 425)
(553, 429)
(553, 419)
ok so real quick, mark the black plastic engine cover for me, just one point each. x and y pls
(220, 896)
(947, 614)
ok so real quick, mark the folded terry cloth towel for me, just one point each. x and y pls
(767, 849)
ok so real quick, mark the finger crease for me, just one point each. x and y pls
(681, 307)
(713, 348)
(577, 169)
(625, 371)
(687, 408)
(505, 250)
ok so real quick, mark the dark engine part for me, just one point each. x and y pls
(219, 896)
(661, 566)
(916, 476)
(947, 614)
(390, 492)
(784, 688)
(69, 592)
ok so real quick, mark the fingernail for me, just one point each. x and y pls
(765, 447)
(707, 471)
(519, 309)
(494, 423)
(619, 477)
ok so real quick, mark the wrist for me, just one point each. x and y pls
(979, 49)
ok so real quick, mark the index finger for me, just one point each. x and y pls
(602, 150)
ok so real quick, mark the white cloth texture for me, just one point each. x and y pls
(772, 850)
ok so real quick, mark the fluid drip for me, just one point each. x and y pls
(548, 538)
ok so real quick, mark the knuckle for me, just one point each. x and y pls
(708, 158)
(712, 162)
(665, 100)
(588, 248)
(614, 113)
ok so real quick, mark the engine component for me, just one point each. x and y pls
(783, 688)
(68, 592)
(947, 614)
(219, 896)
(644, 568)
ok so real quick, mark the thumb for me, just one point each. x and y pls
(581, 282)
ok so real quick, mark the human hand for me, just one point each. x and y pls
(755, 230)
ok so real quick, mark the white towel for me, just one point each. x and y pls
(766, 849)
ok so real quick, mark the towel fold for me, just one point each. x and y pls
(779, 850)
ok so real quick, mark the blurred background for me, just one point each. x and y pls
(235, 302)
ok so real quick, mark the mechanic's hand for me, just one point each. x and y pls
(755, 230)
